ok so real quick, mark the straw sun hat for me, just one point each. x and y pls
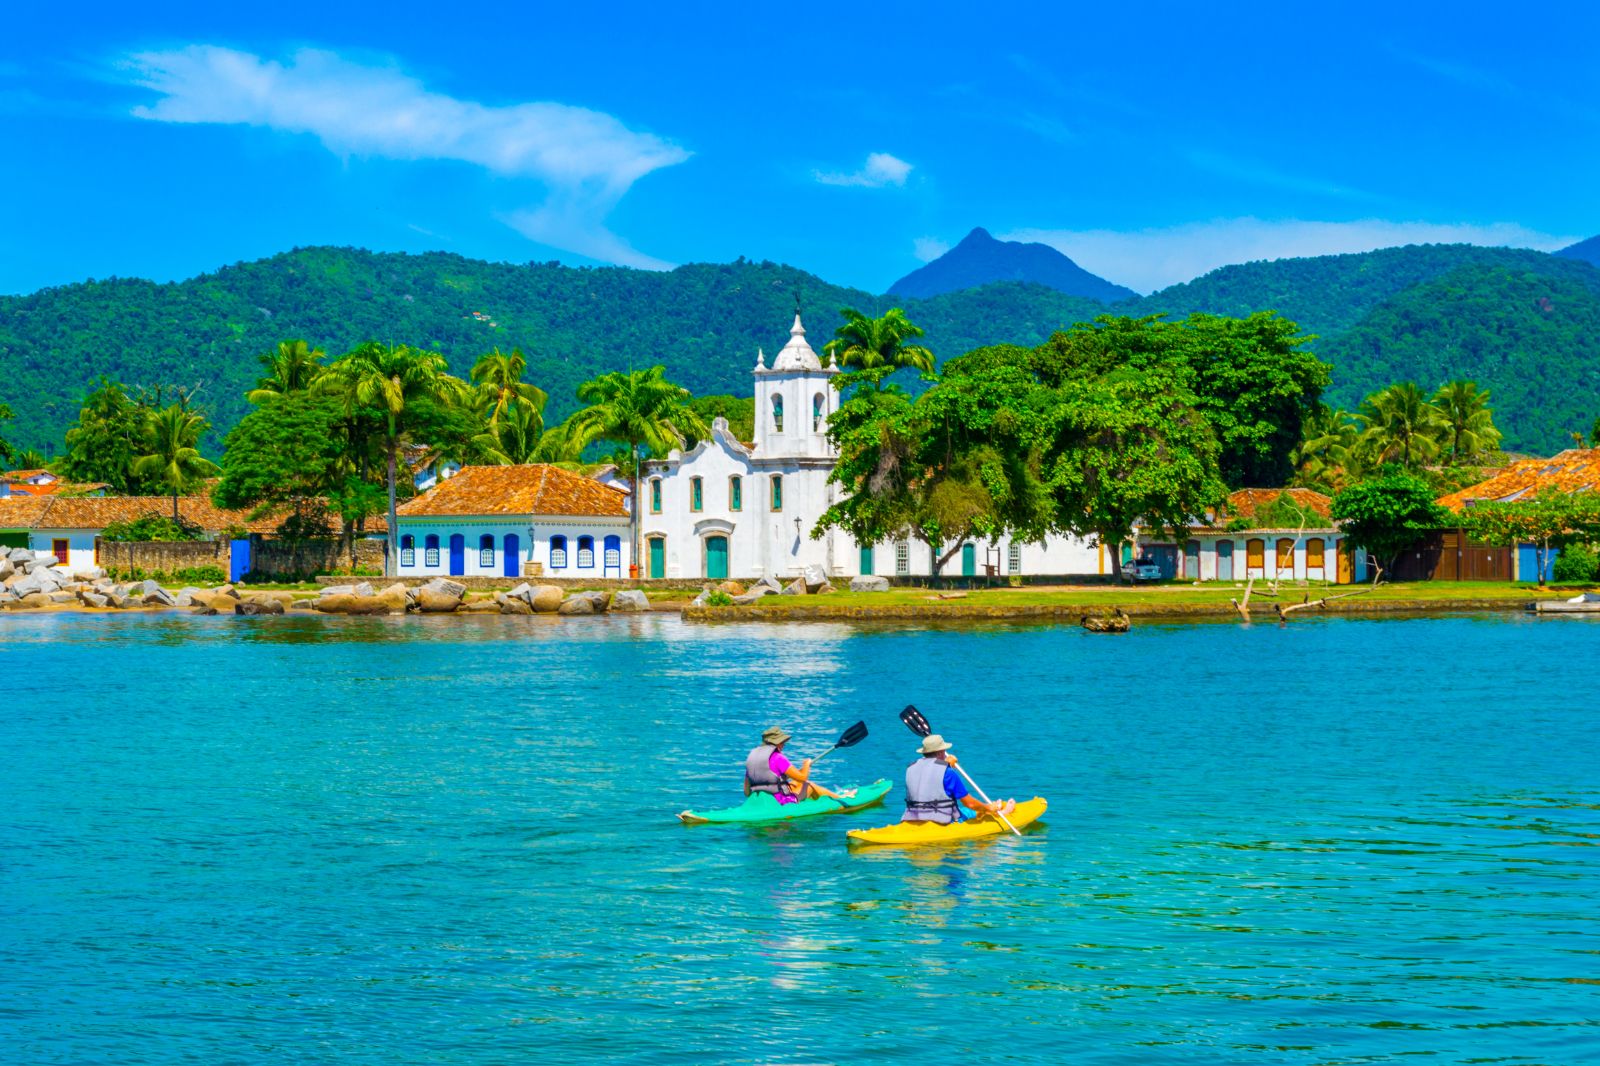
(933, 744)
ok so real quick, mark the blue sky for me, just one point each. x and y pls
(1150, 143)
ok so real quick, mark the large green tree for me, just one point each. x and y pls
(7, 453)
(406, 387)
(497, 377)
(108, 437)
(171, 458)
(1387, 515)
(287, 454)
(637, 408)
(867, 343)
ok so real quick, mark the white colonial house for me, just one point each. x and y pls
(69, 527)
(515, 521)
(1260, 544)
(746, 509)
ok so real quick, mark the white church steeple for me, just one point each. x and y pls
(794, 399)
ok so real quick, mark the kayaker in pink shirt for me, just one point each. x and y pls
(768, 769)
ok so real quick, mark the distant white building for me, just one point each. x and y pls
(732, 508)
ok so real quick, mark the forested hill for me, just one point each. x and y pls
(1524, 324)
(703, 322)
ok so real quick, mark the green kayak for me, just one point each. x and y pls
(761, 808)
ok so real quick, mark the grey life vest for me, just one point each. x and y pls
(926, 799)
(758, 772)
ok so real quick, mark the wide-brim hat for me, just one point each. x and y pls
(774, 736)
(933, 744)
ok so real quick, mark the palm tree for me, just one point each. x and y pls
(868, 343)
(173, 461)
(1464, 409)
(1398, 424)
(391, 378)
(500, 386)
(294, 367)
(1327, 456)
(639, 408)
(31, 459)
(516, 438)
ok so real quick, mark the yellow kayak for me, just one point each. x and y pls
(1025, 814)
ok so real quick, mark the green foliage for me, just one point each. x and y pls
(7, 453)
(1551, 519)
(1577, 564)
(740, 411)
(172, 461)
(718, 598)
(107, 439)
(198, 576)
(152, 527)
(1284, 512)
(1387, 515)
(283, 454)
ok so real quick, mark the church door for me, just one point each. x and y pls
(716, 558)
(658, 557)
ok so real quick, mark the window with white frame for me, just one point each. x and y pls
(586, 553)
(430, 550)
(902, 558)
(558, 552)
(1014, 558)
(408, 550)
(486, 550)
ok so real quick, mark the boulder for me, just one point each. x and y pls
(576, 605)
(767, 581)
(797, 587)
(27, 585)
(93, 599)
(514, 604)
(62, 597)
(159, 598)
(365, 589)
(339, 603)
(705, 594)
(453, 588)
(7, 568)
(547, 598)
(21, 555)
(203, 609)
(480, 607)
(337, 590)
(184, 599)
(523, 592)
(259, 605)
(147, 587)
(869, 583)
(814, 577)
(36, 599)
(395, 598)
(431, 600)
(826, 588)
(732, 588)
(630, 600)
(753, 595)
(228, 591)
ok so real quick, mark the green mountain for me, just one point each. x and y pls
(1524, 324)
(704, 322)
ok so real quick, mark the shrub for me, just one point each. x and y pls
(1576, 564)
(187, 575)
(718, 598)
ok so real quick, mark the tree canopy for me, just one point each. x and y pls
(1388, 514)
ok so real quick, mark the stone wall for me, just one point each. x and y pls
(162, 556)
(306, 557)
(483, 582)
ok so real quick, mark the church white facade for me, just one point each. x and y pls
(746, 509)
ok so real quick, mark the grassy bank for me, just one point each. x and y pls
(1178, 601)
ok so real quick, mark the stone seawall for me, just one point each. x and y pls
(608, 584)
(1072, 612)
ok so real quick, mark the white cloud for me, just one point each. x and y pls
(586, 159)
(1151, 259)
(880, 169)
(928, 249)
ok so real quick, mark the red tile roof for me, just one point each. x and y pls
(535, 489)
(1248, 503)
(22, 512)
(1570, 471)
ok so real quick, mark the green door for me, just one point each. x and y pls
(716, 558)
(969, 560)
(866, 559)
(658, 557)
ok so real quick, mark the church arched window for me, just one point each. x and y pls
(777, 414)
(819, 407)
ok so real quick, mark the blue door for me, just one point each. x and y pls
(513, 554)
(238, 559)
(866, 559)
(969, 560)
(458, 555)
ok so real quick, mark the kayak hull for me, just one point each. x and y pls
(913, 833)
(762, 809)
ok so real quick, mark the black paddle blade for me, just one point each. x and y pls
(854, 735)
(915, 722)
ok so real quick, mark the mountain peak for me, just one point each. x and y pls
(981, 259)
(1588, 251)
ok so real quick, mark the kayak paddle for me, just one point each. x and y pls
(849, 738)
(919, 725)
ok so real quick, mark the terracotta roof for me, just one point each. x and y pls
(22, 512)
(1246, 502)
(1573, 470)
(97, 512)
(536, 489)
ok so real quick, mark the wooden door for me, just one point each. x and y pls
(1224, 560)
(716, 558)
(658, 557)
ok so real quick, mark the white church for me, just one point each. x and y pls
(731, 508)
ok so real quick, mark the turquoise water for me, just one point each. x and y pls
(453, 840)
